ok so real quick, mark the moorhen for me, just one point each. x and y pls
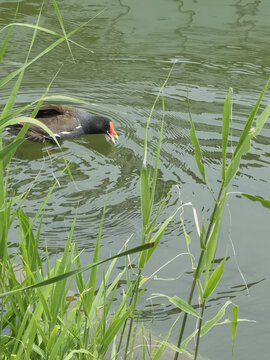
(66, 122)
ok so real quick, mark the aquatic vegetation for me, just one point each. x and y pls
(40, 316)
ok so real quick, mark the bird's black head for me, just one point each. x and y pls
(97, 124)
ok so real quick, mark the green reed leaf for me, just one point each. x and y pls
(234, 324)
(265, 203)
(35, 27)
(145, 256)
(225, 131)
(145, 196)
(180, 304)
(3, 47)
(196, 145)
(214, 280)
(245, 145)
(208, 325)
(248, 125)
(89, 296)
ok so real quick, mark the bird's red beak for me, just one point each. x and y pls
(111, 133)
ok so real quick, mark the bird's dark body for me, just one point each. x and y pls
(64, 122)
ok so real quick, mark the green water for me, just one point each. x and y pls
(216, 45)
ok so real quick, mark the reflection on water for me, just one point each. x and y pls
(134, 44)
(33, 151)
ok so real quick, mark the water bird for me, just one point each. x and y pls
(66, 122)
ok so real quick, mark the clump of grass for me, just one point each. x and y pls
(36, 317)
(204, 282)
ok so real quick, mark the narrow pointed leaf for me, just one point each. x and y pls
(196, 145)
(265, 203)
(181, 304)
(225, 131)
(145, 256)
(145, 196)
(243, 145)
(214, 280)
(248, 125)
(208, 325)
(234, 324)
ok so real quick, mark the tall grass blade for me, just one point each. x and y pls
(144, 257)
(89, 296)
(234, 325)
(212, 240)
(61, 336)
(3, 47)
(198, 153)
(145, 196)
(112, 330)
(248, 125)
(245, 143)
(58, 293)
(225, 131)
(56, 8)
(260, 121)
(10, 103)
(154, 180)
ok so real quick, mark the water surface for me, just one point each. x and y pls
(216, 45)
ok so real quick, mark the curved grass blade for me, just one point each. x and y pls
(25, 119)
(265, 203)
(36, 27)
